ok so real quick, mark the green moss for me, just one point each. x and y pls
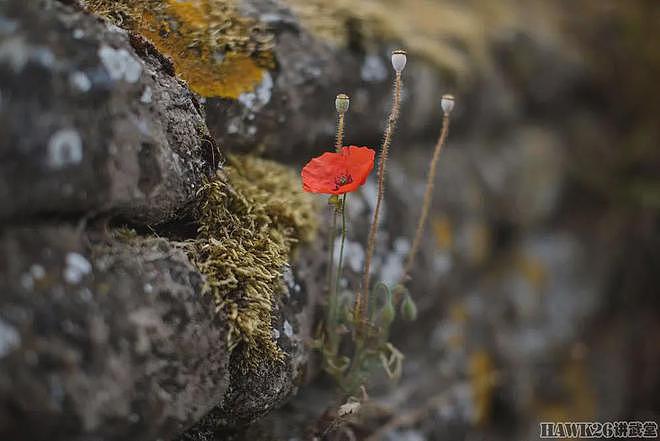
(252, 216)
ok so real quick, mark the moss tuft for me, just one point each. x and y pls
(216, 50)
(252, 216)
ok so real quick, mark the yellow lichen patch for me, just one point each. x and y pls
(482, 380)
(251, 217)
(216, 50)
(442, 229)
(454, 35)
(533, 270)
(578, 399)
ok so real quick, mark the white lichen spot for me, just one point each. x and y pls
(116, 29)
(9, 338)
(218, 57)
(76, 268)
(147, 95)
(261, 95)
(276, 334)
(37, 271)
(234, 126)
(120, 64)
(78, 34)
(392, 269)
(373, 69)
(442, 263)
(64, 148)
(7, 26)
(80, 81)
(148, 288)
(44, 56)
(288, 277)
(370, 194)
(86, 295)
(353, 254)
(15, 52)
(27, 282)
(287, 329)
(408, 435)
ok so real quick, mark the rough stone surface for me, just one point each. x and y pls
(113, 130)
(535, 282)
(109, 341)
(252, 394)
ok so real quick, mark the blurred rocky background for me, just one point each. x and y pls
(537, 283)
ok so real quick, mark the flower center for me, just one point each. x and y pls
(342, 180)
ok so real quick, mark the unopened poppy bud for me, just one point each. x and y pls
(399, 59)
(387, 314)
(342, 102)
(408, 308)
(447, 103)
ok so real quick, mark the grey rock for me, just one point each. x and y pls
(109, 341)
(93, 121)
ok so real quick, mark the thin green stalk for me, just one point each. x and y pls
(332, 234)
(343, 240)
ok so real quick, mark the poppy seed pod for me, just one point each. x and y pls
(387, 314)
(447, 103)
(399, 59)
(408, 308)
(342, 102)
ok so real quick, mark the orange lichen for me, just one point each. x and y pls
(578, 399)
(482, 381)
(213, 48)
(442, 229)
(533, 270)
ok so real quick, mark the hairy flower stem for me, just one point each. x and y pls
(426, 205)
(339, 140)
(362, 299)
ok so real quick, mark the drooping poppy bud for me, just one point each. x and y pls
(387, 314)
(408, 309)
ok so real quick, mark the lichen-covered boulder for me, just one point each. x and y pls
(93, 121)
(120, 338)
(112, 341)
(113, 336)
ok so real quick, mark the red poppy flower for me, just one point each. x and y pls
(338, 173)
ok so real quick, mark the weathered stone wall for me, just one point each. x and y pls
(106, 333)
(535, 283)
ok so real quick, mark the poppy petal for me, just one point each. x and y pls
(324, 173)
